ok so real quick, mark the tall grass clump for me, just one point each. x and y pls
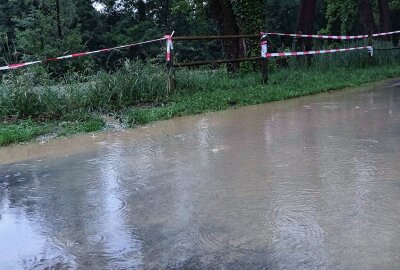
(135, 83)
(21, 96)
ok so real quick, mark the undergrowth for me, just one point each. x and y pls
(32, 105)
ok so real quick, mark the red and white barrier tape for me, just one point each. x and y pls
(74, 55)
(386, 34)
(170, 46)
(264, 50)
(369, 48)
(264, 45)
(334, 37)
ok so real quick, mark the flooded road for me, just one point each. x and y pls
(312, 183)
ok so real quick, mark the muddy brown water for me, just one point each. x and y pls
(311, 183)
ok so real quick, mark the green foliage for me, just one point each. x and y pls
(90, 124)
(251, 18)
(250, 14)
(23, 131)
(134, 84)
(27, 130)
(394, 4)
(341, 17)
(8, 52)
(36, 34)
(280, 15)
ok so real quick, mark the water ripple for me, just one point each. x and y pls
(209, 237)
(293, 227)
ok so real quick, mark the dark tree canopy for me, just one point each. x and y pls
(32, 29)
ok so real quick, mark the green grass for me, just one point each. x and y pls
(217, 92)
(133, 84)
(27, 130)
(23, 131)
(90, 125)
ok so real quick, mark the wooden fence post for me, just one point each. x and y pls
(170, 63)
(264, 58)
(370, 43)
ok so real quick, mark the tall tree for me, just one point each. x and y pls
(306, 19)
(58, 15)
(366, 16)
(395, 13)
(88, 20)
(281, 14)
(384, 16)
(37, 33)
(223, 14)
(251, 18)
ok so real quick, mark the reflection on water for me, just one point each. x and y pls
(311, 183)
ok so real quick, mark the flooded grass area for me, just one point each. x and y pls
(28, 130)
(309, 183)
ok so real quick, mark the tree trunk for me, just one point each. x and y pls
(224, 16)
(366, 16)
(305, 23)
(60, 35)
(251, 18)
(141, 10)
(384, 16)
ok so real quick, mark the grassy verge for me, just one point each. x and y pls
(219, 93)
(26, 130)
(23, 131)
(68, 108)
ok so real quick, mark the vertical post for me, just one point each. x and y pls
(170, 63)
(371, 51)
(264, 58)
(370, 48)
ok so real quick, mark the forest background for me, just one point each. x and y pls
(36, 29)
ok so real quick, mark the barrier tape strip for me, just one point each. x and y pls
(334, 37)
(75, 55)
(264, 45)
(170, 46)
(369, 48)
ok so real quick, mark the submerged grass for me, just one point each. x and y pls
(137, 92)
(89, 124)
(26, 130)
(23, 131)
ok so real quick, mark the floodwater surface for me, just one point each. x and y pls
(311, 183)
